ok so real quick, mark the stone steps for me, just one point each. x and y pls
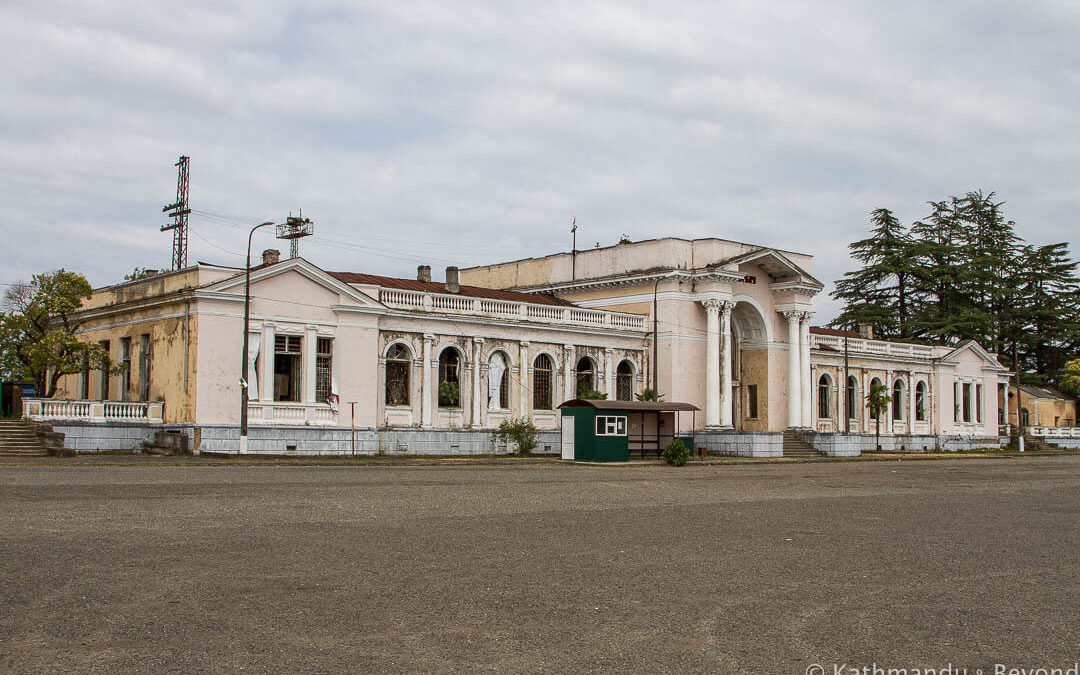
(20, 439)
(797, 447)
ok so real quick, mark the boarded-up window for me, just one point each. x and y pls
(751, 402)
(624, 382)
(542, 382)
(398, 364)
(324, 370)
(288, 361)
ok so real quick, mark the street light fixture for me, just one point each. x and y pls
(242, 448)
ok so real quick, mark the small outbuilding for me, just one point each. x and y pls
(609, 431)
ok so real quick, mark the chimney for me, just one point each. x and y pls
(271, 256)
(423, 273)
(452, 280)
(866, 330)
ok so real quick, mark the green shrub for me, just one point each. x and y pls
(449, 394)
(650, 395)
(676, 453)
(521, 432)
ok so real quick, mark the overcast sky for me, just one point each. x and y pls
(468, 132)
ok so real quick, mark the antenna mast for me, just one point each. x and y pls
(179, 211)
(294, 228)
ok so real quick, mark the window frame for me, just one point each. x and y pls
(543, 387)
(324, 369)
(392, 365)
(610, 426)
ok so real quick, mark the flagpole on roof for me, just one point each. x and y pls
(573, 250)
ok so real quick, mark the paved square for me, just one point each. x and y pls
(561, 569)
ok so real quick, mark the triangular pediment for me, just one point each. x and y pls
(349, 296)
(778, 266)
(970, 346)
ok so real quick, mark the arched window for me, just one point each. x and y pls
(624, 381)
(586, 376)
(852, 398)
(398, 365)
(875, 385)
(498, 382)
(823, 397)
(449, 378)
(1025, 417)
(920, 402)
(898, 400)
(542, 382)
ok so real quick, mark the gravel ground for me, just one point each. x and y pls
(542, 568)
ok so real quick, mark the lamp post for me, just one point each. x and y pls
(242, 448)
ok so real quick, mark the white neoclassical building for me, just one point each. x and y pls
(347, 361)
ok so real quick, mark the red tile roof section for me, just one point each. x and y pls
(439, 287)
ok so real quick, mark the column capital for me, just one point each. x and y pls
(568, 348)
(609, 350)
(429, 337)
(478, 340)
(524, 343)
(718, 304)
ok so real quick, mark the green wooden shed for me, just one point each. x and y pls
(609, 431)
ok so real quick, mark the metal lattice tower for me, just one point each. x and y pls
(295, 228)
(179, 211)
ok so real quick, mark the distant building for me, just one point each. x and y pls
(1040, 407)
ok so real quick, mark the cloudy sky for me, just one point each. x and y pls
(468, 132)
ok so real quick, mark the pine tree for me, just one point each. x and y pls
(881, 293)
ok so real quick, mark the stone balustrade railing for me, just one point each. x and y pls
(863, 346)
(459, 304)
(291, 414)
(49, 409)
(1055, 432)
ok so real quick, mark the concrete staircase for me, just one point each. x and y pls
(797, 447)
(21, 439)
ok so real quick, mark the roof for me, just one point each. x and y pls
(439, 287)
(1044, 392)
(631, 406)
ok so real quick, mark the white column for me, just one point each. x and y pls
(794, 381)
(863, 410)
(311, 343)
(911, 402)
(888, 408)
(477, 391)
(712, 363)
(725, 363)
(523, 379)
(804, 368)
(426, 399)
(266, 377)
(569, 381)
(609, 373)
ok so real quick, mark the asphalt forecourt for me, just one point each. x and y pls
(750, 568)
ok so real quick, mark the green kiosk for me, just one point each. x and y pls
(611, 431)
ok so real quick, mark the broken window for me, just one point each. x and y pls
(824, 392)
(898, 400)
(288, 360)
(125, 361)
(398, 363)
(852, 397)
(144, 367)
(324, 363)
(103, 385)
(449, 378)
(624, 382)
(542, 382)
(586, 376)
